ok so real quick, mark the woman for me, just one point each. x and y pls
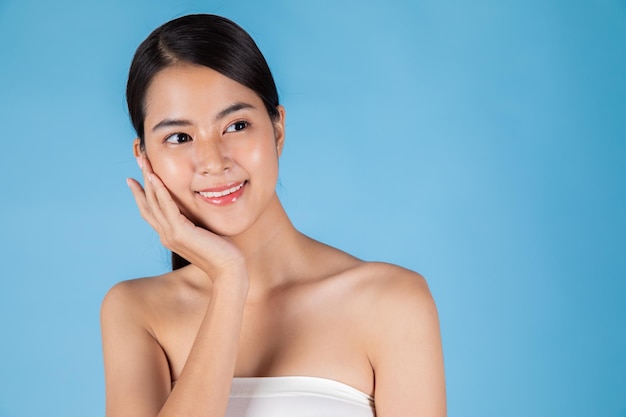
(255, 319)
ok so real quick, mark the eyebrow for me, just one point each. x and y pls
(232, 109)
(235, 107)
(171, 123)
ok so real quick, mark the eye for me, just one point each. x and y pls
(178, 138)
(237, 126)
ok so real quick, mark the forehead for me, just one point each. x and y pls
(192, 88)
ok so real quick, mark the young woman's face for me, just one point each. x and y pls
(214, 146)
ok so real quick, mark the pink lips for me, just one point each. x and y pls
(223, 195)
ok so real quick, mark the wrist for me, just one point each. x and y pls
(232, 283)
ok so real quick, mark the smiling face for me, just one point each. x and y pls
(214, 146)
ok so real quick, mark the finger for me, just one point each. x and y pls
(168, 206)
(146, 169)
(140, 199)
(165, 212)
(171, 223)
(151, 199)
(162, 195)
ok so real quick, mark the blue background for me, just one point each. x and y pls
(481, 143)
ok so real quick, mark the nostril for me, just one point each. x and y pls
(211, 157)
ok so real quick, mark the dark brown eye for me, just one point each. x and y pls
(237, 126)
(178, 138)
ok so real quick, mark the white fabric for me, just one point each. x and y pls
(297, 396)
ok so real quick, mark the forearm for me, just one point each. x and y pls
(204, 384)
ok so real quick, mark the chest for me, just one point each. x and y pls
(285, 336)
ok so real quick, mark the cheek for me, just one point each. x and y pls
(265, 158)
(263, 153)
(170, 171)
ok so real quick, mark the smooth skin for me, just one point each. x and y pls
(260, 298)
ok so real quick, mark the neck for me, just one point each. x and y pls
(272, 248)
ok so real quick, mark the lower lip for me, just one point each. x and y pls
(225, 199)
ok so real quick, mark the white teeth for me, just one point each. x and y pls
(216, 194)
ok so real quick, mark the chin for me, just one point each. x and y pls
(223, 230)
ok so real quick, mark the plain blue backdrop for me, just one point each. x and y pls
(481, 143)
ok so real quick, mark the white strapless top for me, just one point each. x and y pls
(297, 396)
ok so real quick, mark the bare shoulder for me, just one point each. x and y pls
(403, 341)
(137, 373)
(132, 292)
(397, 305)
(389, 299)
(135, 299)
(365, 285)
(391, 287)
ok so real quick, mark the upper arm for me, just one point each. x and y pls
(136, 369)
(406, 351)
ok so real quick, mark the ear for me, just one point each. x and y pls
(279, 129)
(137, 150)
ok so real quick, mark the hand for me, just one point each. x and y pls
(213, 254)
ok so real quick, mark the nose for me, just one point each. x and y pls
(211, 156)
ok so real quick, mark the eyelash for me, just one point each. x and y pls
(179, 138)
(241, 123)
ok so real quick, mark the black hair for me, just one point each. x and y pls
(200, 39)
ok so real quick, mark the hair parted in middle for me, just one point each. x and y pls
(199, 39)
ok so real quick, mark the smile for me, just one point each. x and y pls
(222, 193)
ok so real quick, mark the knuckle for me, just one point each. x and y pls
(175, 235)
(165, 242)
(171, 237)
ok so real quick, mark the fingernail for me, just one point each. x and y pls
(139, 162)
(150, 176)
(128, 182)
